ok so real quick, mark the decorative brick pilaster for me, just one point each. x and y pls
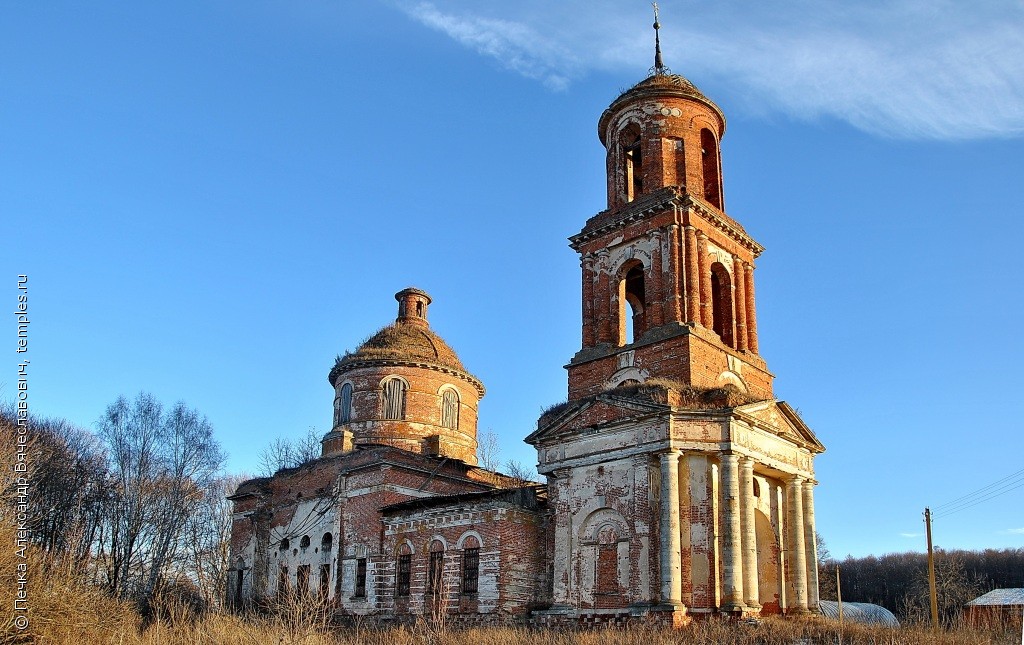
(656, 300)
(740, 296)
(692, 277)
(589, 333)
(705, 280)
(751, 316)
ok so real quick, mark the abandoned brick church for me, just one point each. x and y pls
(676, 484)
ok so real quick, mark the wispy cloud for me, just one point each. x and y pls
(1019, 531)
(911, 535)
(930, 69)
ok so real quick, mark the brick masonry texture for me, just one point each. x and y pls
(676, 485)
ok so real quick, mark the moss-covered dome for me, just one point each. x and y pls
(408, 340)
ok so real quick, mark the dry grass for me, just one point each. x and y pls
(289, 629)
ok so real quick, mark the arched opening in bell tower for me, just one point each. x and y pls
(632, 299)
(721, 303)
(709, 163)
(632, 161)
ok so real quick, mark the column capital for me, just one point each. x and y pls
(670, 452)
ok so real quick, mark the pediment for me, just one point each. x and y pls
(781, 419)
(603, 409)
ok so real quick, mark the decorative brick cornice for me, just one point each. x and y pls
(661, 200)
(387, 362)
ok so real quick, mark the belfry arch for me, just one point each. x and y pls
(632, 302)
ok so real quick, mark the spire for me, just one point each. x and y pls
(659, 65)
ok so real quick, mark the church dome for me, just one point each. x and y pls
(655, 86)
(402, 341)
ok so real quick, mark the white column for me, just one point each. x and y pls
(561, 592)
(671, 567)
(732, 556)
(810, 546)
(749, 537)
(797, 544)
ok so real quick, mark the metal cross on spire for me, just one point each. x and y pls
(659, 68)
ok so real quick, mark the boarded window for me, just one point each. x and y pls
(393, 398)
(302, 579)
(470, 570)
(360, 578)
(404, 574)
(325, 580)
(450, 409)
(343, 405)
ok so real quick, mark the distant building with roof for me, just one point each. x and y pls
(997, 607)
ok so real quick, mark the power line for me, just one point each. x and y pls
(1001, 487)
(980, 490)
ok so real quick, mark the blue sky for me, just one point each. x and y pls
(213, 199)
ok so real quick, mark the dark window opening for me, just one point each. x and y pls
(326, 542)
(470, 570)
(239, 575)
(435, 570)
(325, 580)
(404, 574)
(360, 578)
(302, 579)
(632, 296)
(721, 303)
(282, 582)
(284, 544)
(419, 308)
(632, 162)
(709, 164)
(304, 542)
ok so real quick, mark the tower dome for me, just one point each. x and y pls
(405, 386)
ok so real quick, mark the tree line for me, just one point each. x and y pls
(899, 581)
(140, 505)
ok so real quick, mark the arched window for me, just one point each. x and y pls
(436, 567)
(632, 297)
(709, 164)
(393, 398)
(632, 164)
(721, 303)
(326, 542)
(450, 409)
(343, 405)
(304, 542)
(404, 570)
(470, 565)
(284, 544)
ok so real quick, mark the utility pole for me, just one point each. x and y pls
(839, 601)
(931, 570)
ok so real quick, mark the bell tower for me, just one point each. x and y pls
(668, 276)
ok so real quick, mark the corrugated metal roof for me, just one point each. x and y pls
(1000, 597)
(859, 612)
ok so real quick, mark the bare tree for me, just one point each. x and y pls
(290, 453)
(208, 540)
(488, 452)
(161, 465)
(521, 474)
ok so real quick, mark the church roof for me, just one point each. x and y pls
(654, 86)
(403, 341)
